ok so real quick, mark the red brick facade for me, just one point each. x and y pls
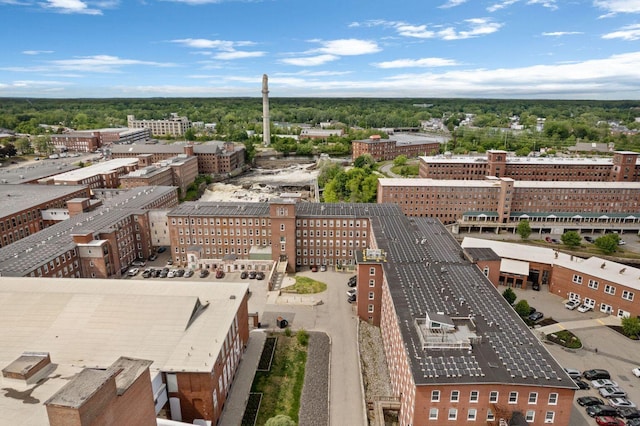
(387, 149)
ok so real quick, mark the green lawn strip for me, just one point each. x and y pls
(305, 285)
(282, 386)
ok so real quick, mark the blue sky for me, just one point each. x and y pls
(404, 48)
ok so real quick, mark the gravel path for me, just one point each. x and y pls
(374, 364)
(314, 402)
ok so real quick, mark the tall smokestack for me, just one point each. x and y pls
(266, 126)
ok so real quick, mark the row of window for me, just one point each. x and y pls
(493, 396)
(472, 415)
(221, 221)
(608, 288)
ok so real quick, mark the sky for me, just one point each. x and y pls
(551, 49)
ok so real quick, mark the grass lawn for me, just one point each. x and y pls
(282, 386)
(305, 285)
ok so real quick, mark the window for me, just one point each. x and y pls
(372, 283)
(282, 226)
(593, 284)
(485, 271)
(433, 414)
(513, 397)
(549, 416)
(473, 396)
(435, 396)
(577, 279)
(627, 295)
(371, 295)
(372, 271)
(533, 397)
(453, 413)
(490, 416)
(471, 415)
(609, 289)
(370, 309)
(493, 396)
(455, 396)
(530, 416)
(553, 398)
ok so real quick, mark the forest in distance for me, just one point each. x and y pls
(566, 121)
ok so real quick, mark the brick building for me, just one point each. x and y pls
(500, 203)
(98, 243)
(603, 285)
(174, 125)
(388, 149)
(91, 140)
(622, 167)
(193, 337)
(100, 175)
(180, 171)
(23, 211)
(213, 157)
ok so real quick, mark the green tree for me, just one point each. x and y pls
(400, 160)
(524, 229)
(365, 160)
(522, 308)
(24, 146)
(509, 295)
(190, 134)
(631, 326)
(608, 243)
(571, 239)
(280, 420)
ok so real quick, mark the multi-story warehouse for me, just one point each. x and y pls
(622, 167)
(174, 126)
(96, 244)
(35, 172)
(601, 284)
(457, 352)
(503, 202)
(180, 171)
(90, 140)
(100, 175)
(193, 335)
(213, 157)
(23, 206)
(388, 149)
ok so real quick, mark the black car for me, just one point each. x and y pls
(351, 298)
(589, 239)
(352, 283)
(587, 401)
(252, 275)
(601, 410)
(244, 275)
(595, 374)
(628, 413)
(180, 273)
(633, 422)
(162, 249)
(581, 384)
(536, 316)
(204, 273)
(260, 276)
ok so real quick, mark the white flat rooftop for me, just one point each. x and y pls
(96, 169)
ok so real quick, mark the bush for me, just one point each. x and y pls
(303, 337)
(509, 295)
(287, 332)
(565, 338)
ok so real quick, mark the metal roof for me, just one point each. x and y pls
(16, 198)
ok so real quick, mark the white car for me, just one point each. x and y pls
(172, 273)
(621, 402)
(351, 292)
(612, 392)
(584, 308)
(636, 371)
(133, 272)
(572, 304)
(600, 383)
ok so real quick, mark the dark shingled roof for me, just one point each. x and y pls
(476, 254)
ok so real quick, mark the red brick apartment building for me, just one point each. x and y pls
(388, 149)
(193, 337)
(98, 243)
(457, 352)
(623, 167)
(603, 285)
(503, 202)
(180, 171)
(22, 208)
(101, 175)
(90, 140)
(213, 157)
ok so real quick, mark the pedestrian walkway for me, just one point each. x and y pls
(575, 325)
(238, 396)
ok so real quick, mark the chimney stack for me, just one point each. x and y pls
(266, 126)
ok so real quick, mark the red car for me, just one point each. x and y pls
(609, 421)
(219, 273)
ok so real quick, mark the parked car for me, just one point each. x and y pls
(621, 403)
(536, 316)
(572, 372)
(180, 273)
(609, 421)
(204, 273)
(351, 292)
(612, 392)
(636, 371)
(601, 410)
(188, 273)
(169, 262)
(147, 273)
(621, 242)
(323, 268)
(252, 275)
(584, 308)
(260, 276)
(138, 263)
(582, 385)
(633, 422)
(314, 268)
(596, 373)
(172, 273)
(219, 273)
(244, 275)
(589, 239)
(152, 257)
(600, 383)
(351, 299)
(162, 249)
(133, 272)
(164, 273)
(628, 413)
(572, 304)
(352, 281)
(587, 401)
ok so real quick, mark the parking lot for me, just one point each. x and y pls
(602, 348)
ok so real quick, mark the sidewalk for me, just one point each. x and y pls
(237, 399)
(575, 325)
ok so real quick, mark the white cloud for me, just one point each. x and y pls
(475, 27)
(628, 33)
(308, 73)
(503, 4)
(87, 64)
(421, 63)
(415, 31)
(347, 47)
(203, 43)
(237, 54)
(310, 61)
(550, 4)
(561, 33)
(36, 52)
(452, 3)
(70, 6)
(618, 6)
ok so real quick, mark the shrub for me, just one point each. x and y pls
(303, 337)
